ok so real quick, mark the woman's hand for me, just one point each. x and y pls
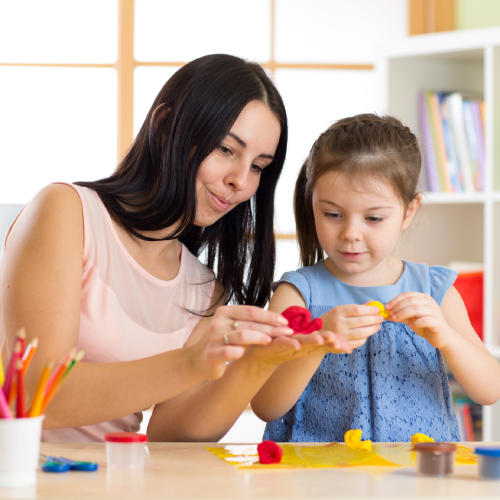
(230, 331)
(284, 349)
(423, 315)
(355, 323)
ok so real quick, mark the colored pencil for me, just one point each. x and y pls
(21, 393)
(2, 372)
(54, 387)
(28, 355)
(36, 405)
(78, 357)
(21, 338)
(58, 368)
(11, 370)
(4, 407)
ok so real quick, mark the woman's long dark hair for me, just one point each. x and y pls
(154, 186)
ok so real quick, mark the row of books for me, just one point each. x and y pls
(453, 141)
(470, 421)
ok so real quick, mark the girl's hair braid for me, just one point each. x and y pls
(360, 147)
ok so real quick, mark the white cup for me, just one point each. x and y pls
(19, 451)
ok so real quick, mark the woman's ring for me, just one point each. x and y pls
(235, 324)
(226, 340)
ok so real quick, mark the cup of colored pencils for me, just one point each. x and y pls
(20, 424)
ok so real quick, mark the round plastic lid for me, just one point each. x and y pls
(488, 451)
(436, 447)
(125, 437)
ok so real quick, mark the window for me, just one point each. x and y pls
(78, 78)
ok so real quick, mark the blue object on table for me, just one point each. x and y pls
(489, 462)
(61, 464)
(55, 467)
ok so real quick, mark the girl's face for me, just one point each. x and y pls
(358, 228)
(231, 174)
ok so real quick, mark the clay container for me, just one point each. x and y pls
(489, 462)
(435, 459)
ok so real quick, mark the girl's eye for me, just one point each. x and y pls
(374, 219)
(257, 169)
(224, 150)
(332, 215)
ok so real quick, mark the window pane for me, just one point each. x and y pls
(170, 30)
(336, 31)
(148, 81)
(287, 257)
(314, 99)
(58, 31)
(56, 124)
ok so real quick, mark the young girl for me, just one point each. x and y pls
(354, 195)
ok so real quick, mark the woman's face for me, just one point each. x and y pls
(231, 174)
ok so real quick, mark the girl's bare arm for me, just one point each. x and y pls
(207, 412)
(287, 383)
(474, 368)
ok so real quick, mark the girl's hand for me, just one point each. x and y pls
(284, 349)
(230, 330)
(353, 322)
(423, 315)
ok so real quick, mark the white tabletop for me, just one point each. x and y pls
(181, 470)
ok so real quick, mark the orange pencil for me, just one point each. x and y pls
(58, 368)
(54, 387)
(36, 405)
(21, 393)
(28, 355)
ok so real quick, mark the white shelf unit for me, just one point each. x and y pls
(454, 226)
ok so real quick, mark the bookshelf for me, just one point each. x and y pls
(454, 226)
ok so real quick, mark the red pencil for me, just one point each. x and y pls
(21, 394)
(54, 387)
(21, 337)
(11, 370)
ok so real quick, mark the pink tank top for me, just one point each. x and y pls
(126, 313)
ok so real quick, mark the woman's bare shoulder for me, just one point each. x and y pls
(55, 214)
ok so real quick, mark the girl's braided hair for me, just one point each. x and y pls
(361, 147)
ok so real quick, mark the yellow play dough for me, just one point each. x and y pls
(385, 314)
(420, 438)
(352, 439)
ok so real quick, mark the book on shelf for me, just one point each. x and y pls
(452, 129)
(470, 285)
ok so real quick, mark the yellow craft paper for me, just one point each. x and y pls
(331, 455)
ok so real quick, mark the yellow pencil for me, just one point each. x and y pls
(2, 372)
(36, 405)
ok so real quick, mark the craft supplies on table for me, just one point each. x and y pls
(435, 459)
(489, 462)
(61, 464)
(125, 450)
(331, 455)
(20, 446)
(20, 423)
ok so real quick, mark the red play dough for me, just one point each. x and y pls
(299, 320)
(269, 452)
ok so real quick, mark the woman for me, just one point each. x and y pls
(201, 174)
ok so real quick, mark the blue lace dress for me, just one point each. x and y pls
(392, 387)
